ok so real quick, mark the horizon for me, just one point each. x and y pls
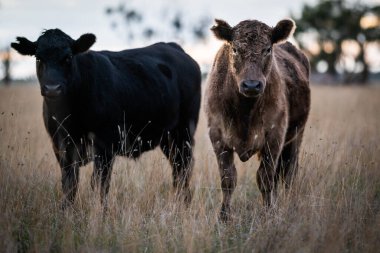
(29, 19)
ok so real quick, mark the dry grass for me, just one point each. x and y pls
(334, 205)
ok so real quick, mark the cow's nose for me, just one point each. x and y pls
(52, 90)
(53, 87)
(252, 86)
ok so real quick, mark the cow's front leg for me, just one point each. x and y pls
(70, 179)
(227, 171)
(266, 175)
(69, 161)
(101, 175)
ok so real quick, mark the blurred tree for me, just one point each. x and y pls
(177, 23)
(5, 57)
(134, 19)
(332, 24)
(201, 30)
(130, 17)
(6, 61)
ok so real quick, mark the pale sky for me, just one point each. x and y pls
(28, 18)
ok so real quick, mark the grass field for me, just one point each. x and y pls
(334, 205)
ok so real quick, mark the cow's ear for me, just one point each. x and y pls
(283, 30)
(24, 46)
(222, 30)
(83, 43)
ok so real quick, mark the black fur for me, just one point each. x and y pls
(117, 103)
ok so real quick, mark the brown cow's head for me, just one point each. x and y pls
(250, 46)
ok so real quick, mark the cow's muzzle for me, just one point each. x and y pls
(251, 88)
(51, 91)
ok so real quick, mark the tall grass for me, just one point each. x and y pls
(334, 205)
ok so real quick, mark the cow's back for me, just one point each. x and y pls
(163, 64)
(183, 75)
(146, 91)
(294, 69)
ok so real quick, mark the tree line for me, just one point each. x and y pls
(335, 34)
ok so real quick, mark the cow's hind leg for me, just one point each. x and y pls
(178, 148)
(101, 175)
(227, 171)
(287, 166)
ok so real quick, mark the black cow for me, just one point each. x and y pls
(99, 104)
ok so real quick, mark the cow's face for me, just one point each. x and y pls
(54, 51)
(250, 46)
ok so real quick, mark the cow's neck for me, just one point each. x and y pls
(237, 109)
(248, 106)
(56, 110)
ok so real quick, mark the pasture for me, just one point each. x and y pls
(334, 205)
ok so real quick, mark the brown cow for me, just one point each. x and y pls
(258, 101)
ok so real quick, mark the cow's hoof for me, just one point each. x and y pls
(184, 195)
(225, 215)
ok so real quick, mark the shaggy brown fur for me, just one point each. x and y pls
(258, 101)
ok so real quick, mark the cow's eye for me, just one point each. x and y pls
(68, 58)
(234, 50)
(38, 60)
(268, 50)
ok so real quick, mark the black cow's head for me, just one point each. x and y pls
(250, 46)
(54, 51)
